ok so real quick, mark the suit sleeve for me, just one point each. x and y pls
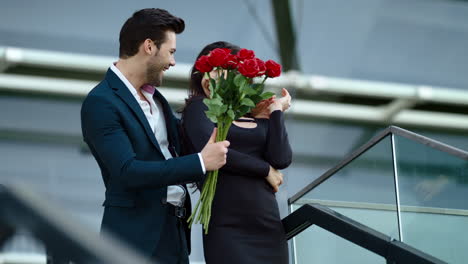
(198, 128)
(106, 136)
(278, 151)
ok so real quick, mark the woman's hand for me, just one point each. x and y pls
(274, 178)
(285, 99)
(261, 110)
(283, 103)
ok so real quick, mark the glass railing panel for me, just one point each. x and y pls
(432, 190)
(316, 245)
(363, 190)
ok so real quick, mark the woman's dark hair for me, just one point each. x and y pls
(148, 23)
(195, 87)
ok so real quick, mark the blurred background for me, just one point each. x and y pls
(353, 67)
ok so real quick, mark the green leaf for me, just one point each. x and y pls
(267, 95)
(239, 80)
(256, 98)
(247, 102)
(231, 75)
(223, 83)
(211, 116)
(258, 87)
(244, 108)
(216, 110)
(242, 111)
(223, 109)
(231, 114)
(249, 91)
(244, 86)
(217, 101)
(212, 87)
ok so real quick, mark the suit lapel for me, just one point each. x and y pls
(171, 122)
(122, 91)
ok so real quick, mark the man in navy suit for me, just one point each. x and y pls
(133, 135)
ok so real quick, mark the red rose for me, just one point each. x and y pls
(203, 65)
(248, 68)
(231, 62)
(228, 51)
(245, 54)
(273, 69)
(261, 67)
(218, 57)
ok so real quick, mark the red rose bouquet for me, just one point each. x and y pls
(233, 93)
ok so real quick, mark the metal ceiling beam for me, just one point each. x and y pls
(285, 34)
(311, 109)
(398, 111)
(54, 60)
(51, 60)
(372, 89)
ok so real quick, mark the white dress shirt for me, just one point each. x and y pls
(154, 114)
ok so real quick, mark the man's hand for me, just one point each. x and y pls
(275, 178)
(214, 153)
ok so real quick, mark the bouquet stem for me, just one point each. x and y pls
(202, 212)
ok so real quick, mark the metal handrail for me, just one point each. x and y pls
(65, 239)
(393, 251)
(376, 139)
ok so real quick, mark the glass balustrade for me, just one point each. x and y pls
(433, 188)
(404, 185)
(316, 245)
(363, 190)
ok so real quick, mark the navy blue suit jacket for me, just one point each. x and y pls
(134, 170)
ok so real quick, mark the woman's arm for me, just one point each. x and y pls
(278, 152)
(197, 128)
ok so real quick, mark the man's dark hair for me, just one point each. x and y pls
(148, 23)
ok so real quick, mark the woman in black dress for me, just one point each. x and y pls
(245, 224)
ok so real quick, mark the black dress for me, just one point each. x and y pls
(245, 224)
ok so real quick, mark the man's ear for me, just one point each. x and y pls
(148, 46)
